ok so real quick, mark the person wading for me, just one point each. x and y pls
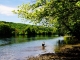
(43, 45)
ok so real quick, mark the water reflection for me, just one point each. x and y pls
(58, 45)
(22, 38)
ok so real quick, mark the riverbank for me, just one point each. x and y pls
(67, 52)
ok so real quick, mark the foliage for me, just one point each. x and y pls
(5, 30)
(22, 29)
(66, 13)
(70, 40)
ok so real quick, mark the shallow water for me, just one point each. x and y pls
(17, 50)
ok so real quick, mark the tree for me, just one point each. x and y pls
(5, 30)
(65, 12)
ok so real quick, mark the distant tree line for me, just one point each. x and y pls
(5, 30)
(9, 29)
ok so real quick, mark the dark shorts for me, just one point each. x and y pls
(43, 44)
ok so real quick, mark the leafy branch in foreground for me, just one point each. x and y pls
(66, 13)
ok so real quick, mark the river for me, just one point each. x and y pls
(20, 47)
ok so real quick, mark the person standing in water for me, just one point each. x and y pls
(43, 45)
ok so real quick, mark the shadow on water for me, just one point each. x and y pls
(22, 38)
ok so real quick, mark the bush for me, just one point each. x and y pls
(70, 40)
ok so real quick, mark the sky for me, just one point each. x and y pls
(6, 7)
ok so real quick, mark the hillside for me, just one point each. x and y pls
(19, 28)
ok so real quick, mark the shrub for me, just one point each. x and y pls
(70, 39)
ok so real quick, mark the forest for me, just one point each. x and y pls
(10, 28)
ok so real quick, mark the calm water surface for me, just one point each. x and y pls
(20, 47)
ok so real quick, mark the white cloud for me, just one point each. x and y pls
(6, 10)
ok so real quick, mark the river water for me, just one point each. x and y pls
(20, 47)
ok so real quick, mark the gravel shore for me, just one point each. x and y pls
(69, 52)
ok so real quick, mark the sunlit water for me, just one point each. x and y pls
(18, 50)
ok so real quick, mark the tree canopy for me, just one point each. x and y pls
(63, 14)
(5, 30)
(11, 29)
